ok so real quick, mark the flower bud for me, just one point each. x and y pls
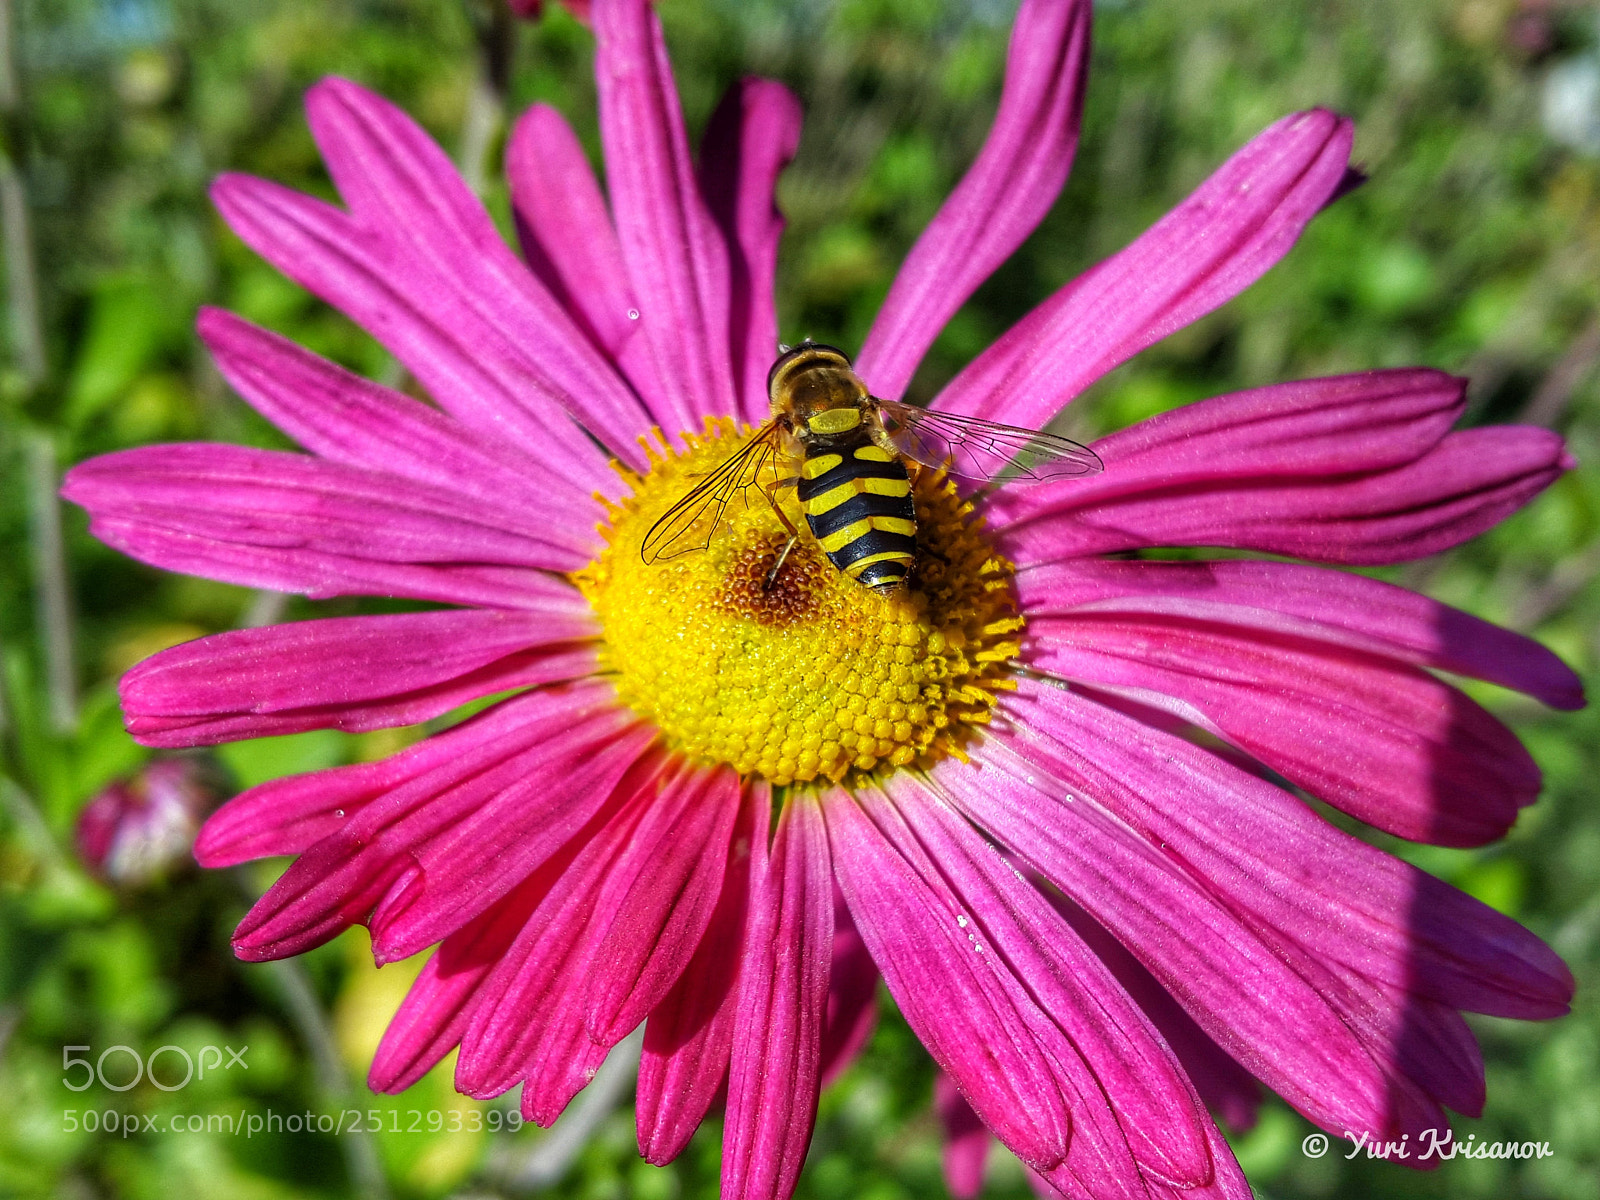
(141, 828)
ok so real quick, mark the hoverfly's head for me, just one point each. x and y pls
(811, 378)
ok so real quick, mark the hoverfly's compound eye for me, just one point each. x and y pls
(787, 355)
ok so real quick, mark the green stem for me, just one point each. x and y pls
(51, 593)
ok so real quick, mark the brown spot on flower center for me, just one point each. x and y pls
(794, 592)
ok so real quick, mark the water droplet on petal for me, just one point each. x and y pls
(338, 812)
(961, 921)
(633, 314)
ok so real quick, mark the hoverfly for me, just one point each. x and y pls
(852, 481)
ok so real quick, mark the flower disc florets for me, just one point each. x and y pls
(811, 674)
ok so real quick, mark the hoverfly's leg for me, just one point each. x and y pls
(794, 534)
(770, 492)
(772, 575)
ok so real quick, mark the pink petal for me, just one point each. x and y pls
(536, 1029)
(1386, 742)
(664, 912)
(289, 815)
(1006, 192)
(675, 257)
(1227, 1183)
(1336, 425)
(399, 183)
(1344, 425)
(312, 572)
(773, 1078)
(436, 1009)
(689, 1038)
(565, 227)
(1335, 894)
(1226, 1087)
(476, 370)
(751, 137)
(1429, 1042)
(1252, 1002)
(529, 1026)
(966, 1140)
(852, 996)
(1206, 251)
(270, 519)
(348, 673)
(1114, 1052)
(979, 1029)
(1334, 607)
(339, 880)
(353, 421)
(1469, 483)
(461, 867)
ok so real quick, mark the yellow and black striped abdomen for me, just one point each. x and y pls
(857, 500)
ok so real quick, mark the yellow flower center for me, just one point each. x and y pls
(811, 674)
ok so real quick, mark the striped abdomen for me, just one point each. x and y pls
(857, 500)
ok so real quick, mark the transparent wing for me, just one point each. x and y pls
(983, 450)
(689, 524)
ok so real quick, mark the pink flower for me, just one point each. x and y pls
(578, 853)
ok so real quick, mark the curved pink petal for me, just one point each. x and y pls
(974, 1021)
(1467, 484)
(434, 1014)
(688, 1040)
(270, 519)
(1384, 741)
(1275, 858)
(852, 996)
(750, 138)
(348, 673)
(1004, 194)
(1333, 607)
(530, 1025)
(966, 1140)
(350, 420)
(1226, 1087)
(401, 186)
(1343, 425)
(1257, 1006)
(469, 366)
(1206, 251)
(661, 917)
(524, 669)
(458, 869)
(675, 257)
(572, 736)
(1430, 1043)
(774, 1077)
(565, 228)
(1117, 1055)
(1228, 1182)
(289, 815)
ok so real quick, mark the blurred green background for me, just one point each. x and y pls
(1475, 247)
